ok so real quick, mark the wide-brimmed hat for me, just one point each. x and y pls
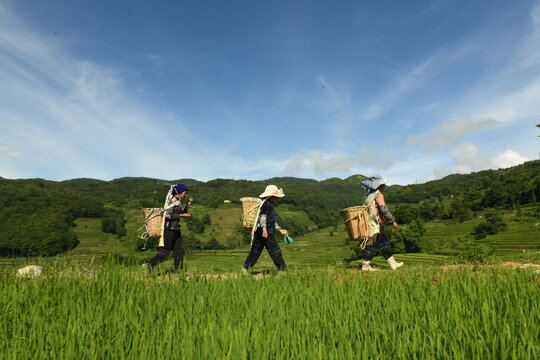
(272, 190)
(374, 182)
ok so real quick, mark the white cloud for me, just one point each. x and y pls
(508, 159)
(4, 148)
(469, 158)
(315, 162)
(14, 154)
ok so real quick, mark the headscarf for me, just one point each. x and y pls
(178, 189)
(374, 182)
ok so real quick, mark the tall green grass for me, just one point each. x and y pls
(110, 311)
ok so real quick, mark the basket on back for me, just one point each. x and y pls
(153, 219)
(356, 221)
(250, 208)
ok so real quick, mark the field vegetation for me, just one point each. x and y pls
(115, 311)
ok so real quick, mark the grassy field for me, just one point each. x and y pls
(322, 248)
(113, 311)
(96, 301)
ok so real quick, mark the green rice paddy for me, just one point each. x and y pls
(111, 311)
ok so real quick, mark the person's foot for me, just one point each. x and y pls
(147, 266)
(244, 271)
(366, 266)
(178, 271)
(393, 263)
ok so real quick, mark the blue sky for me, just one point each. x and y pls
(411, 90)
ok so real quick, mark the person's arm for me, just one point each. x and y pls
(384, 210)
(262, 224)
(186, 209)
(280, 229)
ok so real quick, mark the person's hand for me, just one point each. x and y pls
(168, 216)
(283, 231)
(190, 201)
(265, 233)
(185, 215)
(395, 224)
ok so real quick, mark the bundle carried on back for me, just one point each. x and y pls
(361, 221)
(155, 220)
(250, 211)
(153, 217)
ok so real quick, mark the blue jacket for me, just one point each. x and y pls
(268, 209)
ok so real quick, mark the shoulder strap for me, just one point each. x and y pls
(368, 201)
(257, 220)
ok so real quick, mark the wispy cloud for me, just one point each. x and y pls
(401, 85)
(447, 133)
(76, 118)
(535, 17)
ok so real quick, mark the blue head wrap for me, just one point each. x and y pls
(178, 189)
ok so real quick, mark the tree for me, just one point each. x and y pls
(113, 222)
(414, 236)
(492, 224)
(397, 239)
(195, 225)
(213, 244)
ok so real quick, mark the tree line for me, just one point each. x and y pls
(38, 215)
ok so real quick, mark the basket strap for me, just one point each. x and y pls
(351, 219)
(257, 220)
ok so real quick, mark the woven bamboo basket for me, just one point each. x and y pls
(250, 207)
(154, 219)
(356, 221)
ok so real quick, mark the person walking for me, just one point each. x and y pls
(380, 212)
(172, 237)
(264, 230)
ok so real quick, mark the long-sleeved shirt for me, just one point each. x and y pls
(383, 213)
(174, 222)
(267, 218)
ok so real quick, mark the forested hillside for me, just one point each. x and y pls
(38, 215)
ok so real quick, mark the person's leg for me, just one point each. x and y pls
(369, 253)
(386, 251)
(164, 251)
(178, 249)
(275, 252)
(255, 251)
(383, 245)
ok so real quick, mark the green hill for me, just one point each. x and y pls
(42, 217)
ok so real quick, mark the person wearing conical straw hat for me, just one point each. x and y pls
(378, 242)
(265, 228)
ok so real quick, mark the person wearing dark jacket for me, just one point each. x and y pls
(172, 237)
(265, 227)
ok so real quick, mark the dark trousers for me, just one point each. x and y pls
(173, 242)
(381, 245)
(259, 243)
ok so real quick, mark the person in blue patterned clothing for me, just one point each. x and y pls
(265, 228)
